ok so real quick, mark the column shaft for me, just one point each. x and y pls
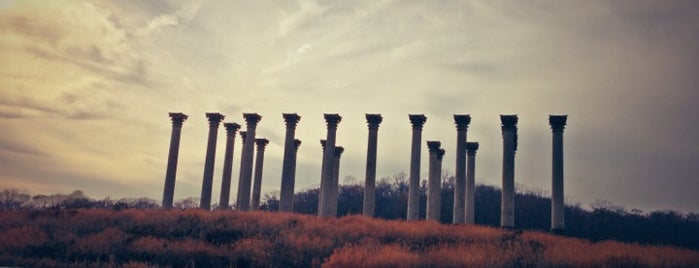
(297, 143)
(471, 147)
(231, 129)
(286, 195)
(259, 165)
(325, 204)
(557, 198)
(459, 208)
(417, 122)
(243, 201)
(207, 183)
(171, 171)
(507, 211)
(434, 187)
(335, 184)
(373, 121)
(243, 135)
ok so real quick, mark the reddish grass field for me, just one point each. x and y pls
(195, 238)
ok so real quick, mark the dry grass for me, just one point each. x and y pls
(195, 238)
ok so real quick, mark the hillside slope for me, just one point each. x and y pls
(195, 238)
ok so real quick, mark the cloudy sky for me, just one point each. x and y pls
(85, 88)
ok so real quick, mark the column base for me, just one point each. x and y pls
(507, 228)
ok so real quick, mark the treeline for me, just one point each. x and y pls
(532, 211)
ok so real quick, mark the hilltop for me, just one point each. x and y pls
(196, 238)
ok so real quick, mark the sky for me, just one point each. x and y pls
(86, 87)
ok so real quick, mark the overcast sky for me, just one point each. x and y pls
(85, 88)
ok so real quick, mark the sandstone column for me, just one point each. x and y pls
(243, 134)
(461, 122)
(259, 165)
(557, 123)
(471, 148)
(335, 186)
(231, 129)
(373, 121)
(322, 171)
(214, 120)
(509, 136)
(297, 144)
(434, 186)
(243, 202)
(286, 195)
(417, 121)
(171, 172)
(324, 206)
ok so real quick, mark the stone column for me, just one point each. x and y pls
(434, 186)
(324, 206)
(322, 171)
(171, 172)
(259, 165)
(373, 121)
(557, 123)
(214, 120)
(297, 144)
(509, 136)
(471, 148)
(231, 129)
(461, 122)
(243, 202)
(417, 121)
(286, 195)
(335, 186)
(243, 134)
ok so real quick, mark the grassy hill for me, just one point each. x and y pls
(195, 238)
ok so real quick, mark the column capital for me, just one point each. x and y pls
(322, 144)
(373, 120)
(252, 118)
(297, 143)
(557, 122)
(243, 134)
(433, 146)
(509, 122)
(417, 120)
(339, 150)
(471, 148)
(440, 154)
(291, 119)
(177, 119)
(231, 128)
(261, 143)
(462, 121)
(332, 119)
(214, 119)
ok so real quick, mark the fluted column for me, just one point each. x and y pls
(243, 202)
(509, 136)
(286, 195)
(335, 186)
(557, 123)
(259, 165)
(324, 206)
(471, 148)
(417, 121)
(461, 122)
(171, 171)
(231, 129)
(434, 186)
(214, 120)
(373, 121)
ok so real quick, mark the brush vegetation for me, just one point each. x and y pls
(197, 238)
